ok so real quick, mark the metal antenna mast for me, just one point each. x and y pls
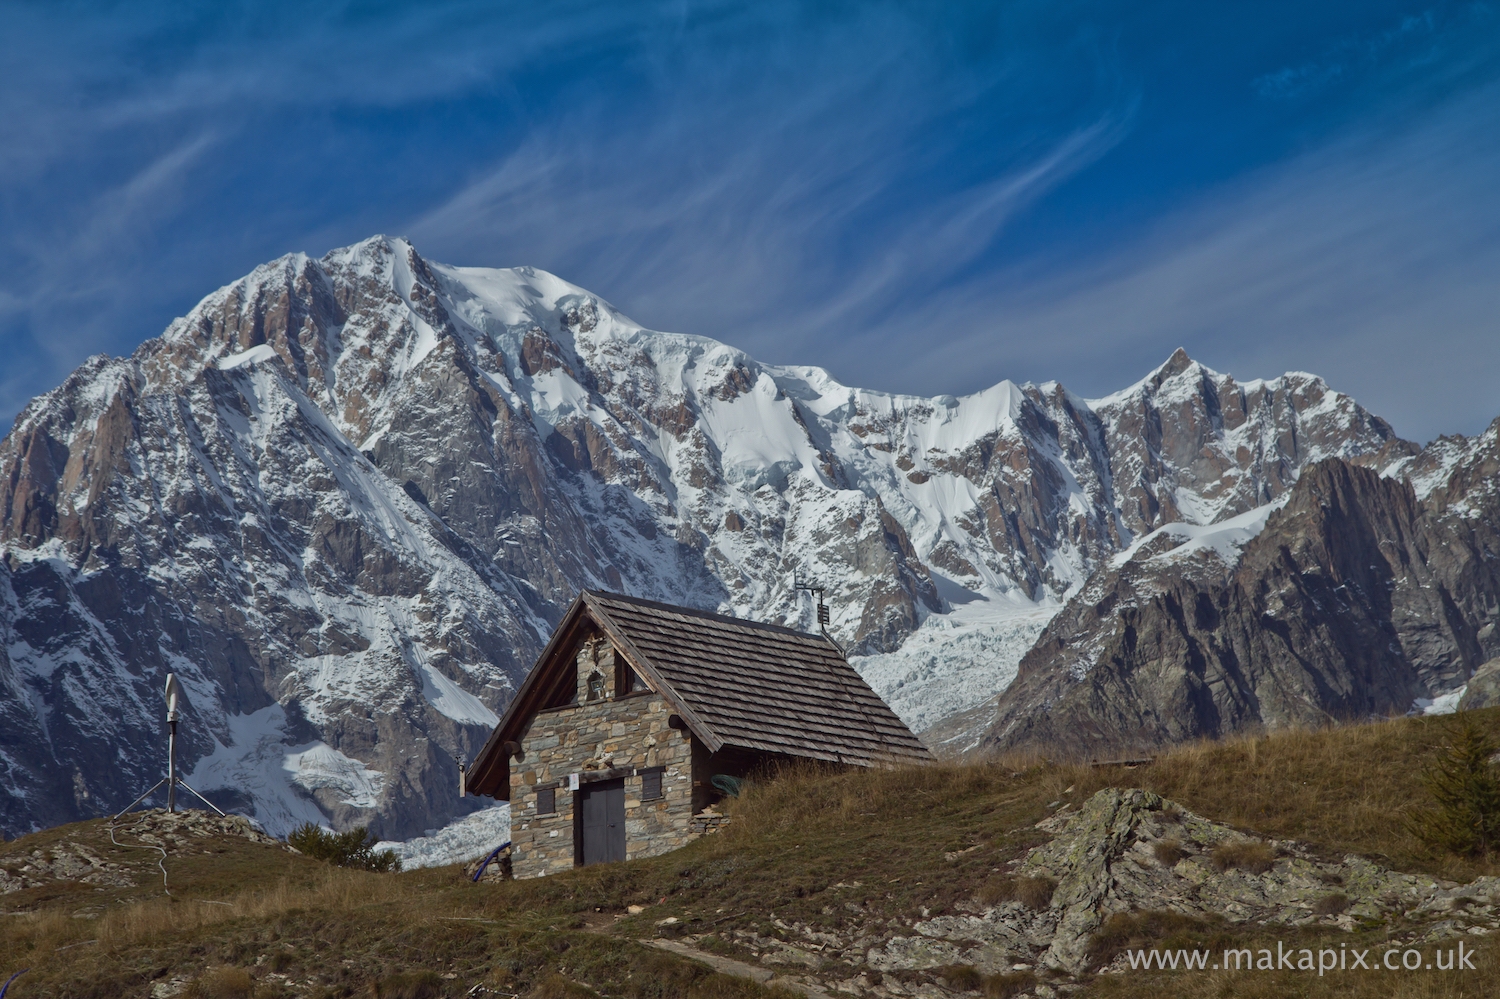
(173, 691)
(801, 583)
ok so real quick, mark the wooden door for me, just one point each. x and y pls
(601, 807)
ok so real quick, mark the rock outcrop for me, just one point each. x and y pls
(1361, 595)
(84, 855)
(1129, 850)
(1483, 688)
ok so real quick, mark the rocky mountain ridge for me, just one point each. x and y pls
(1360, 595)
(344, 499)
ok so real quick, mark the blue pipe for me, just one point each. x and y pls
(477, 874)
(6, 987)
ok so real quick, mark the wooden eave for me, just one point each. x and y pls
(490, 772)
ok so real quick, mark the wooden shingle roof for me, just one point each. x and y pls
(758, 686)
(734, 683)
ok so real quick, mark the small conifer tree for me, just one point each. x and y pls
(354, 848)
(1465, 784)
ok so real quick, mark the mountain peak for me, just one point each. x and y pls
(1176, 364)
(388, 437)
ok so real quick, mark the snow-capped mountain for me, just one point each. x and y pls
(343, 499)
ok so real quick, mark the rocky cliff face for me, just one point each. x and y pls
(344, 499)
(1361, 594)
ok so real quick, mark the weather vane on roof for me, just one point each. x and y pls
(801, 582)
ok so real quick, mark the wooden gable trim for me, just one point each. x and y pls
(490, 773)
(644, 667)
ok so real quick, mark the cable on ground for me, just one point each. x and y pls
(138, 846)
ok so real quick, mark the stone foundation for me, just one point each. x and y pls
(709, 821)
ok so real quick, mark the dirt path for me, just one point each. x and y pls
(739, 969)
(723, 965)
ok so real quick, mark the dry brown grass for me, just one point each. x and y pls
(408, 985)
(360, 934)
(1331, 905)
(332, 888)
(1008, 985)
(222, 982)
(825, 848)
(1133, 930)
(559, 987)
(1034, 893)
(796, 796)
(42, 931)
(1247, 855)
(1342, 788)
(961, 977)
(1169, 852)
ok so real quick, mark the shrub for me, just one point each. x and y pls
(409, 985)
(1466, 787)
(1005, 986)
(1331, 905)
(1034, 893)
(355, 848)
(1248, 855)
(1168, 852)
(961, 977)
(224, 982)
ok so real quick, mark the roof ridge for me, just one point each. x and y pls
(694, 612)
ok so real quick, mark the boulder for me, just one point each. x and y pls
(1483, 690)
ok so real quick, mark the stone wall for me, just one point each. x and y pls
(612, 735)
(709, 821)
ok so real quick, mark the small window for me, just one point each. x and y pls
(624, 677)
(546, 800)
(596, 686)
(650, 785)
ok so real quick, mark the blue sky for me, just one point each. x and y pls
(921, 197)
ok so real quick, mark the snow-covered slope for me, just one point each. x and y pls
(345, 498)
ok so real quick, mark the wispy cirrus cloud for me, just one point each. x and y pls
(766, 204)
(918, 198)
(94, 248)
(754, 246)
(1370, 261)
(1406, 60)
(1412, 36)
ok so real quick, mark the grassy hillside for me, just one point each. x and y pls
(846, 855)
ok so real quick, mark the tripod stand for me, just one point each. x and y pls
(171, 779)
